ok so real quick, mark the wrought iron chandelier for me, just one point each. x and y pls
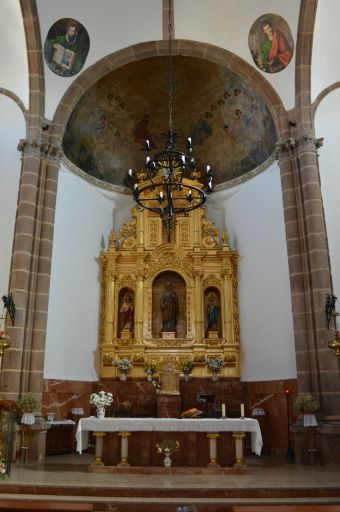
(169, 182)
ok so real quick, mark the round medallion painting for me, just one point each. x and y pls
(66, 47)
(271, 43)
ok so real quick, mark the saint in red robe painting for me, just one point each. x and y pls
(275, 53)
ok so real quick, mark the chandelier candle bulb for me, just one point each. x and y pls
(130, 172)
(242, 410)
(223, 411)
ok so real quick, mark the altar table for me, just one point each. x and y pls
(212, 427)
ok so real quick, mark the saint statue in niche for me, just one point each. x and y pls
(169, 307)
(213, 312)
(127, 312)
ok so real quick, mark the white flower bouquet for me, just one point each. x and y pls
(150, 367)
(215, 364)
(123, 364)
(101, 399)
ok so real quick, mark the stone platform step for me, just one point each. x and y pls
(174, 504)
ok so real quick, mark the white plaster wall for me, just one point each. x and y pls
(254, 218)
(327, 125)
(12, 129)
(326, 46)
(111, 25)
(227, 23)
(13, 57)
(84, 219)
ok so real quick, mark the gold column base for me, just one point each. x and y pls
(98, 457)
(239, 462)
(123, 459)
(214, 436)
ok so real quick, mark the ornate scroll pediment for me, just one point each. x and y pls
(168, 257)
(126, 282)
(211, 280)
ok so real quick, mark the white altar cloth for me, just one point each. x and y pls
(169, 425)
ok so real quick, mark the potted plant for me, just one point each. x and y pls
(307, 403)
(215, 364)
(123, 366)
(187, 366)
(150, 369)
(29, 403)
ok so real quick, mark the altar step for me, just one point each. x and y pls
(266, 495)
(70, 503)
(161, 470)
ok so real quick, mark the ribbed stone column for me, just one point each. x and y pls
(309, 269)
(31, 268)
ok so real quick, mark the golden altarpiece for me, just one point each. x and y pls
(195, 273)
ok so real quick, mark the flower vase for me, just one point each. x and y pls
(214, 377)
(100, 413)
(123, 377)
(149, 377)
(186, 377)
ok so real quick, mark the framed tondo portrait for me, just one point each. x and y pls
(271, 43)
(66, 47)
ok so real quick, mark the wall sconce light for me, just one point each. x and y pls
(258, 411)
(78, 411)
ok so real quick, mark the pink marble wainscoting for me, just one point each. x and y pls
(137, 397)
(271, 396)
(61, 396)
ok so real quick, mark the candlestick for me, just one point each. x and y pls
(223, 410)
(242, 410)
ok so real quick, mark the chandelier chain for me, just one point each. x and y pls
(170, 70)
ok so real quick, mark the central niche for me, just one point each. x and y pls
(169, 305)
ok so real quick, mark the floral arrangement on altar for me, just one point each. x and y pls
(150, 368)
(2, 467)
(307, 402)
(157, 385)
(101, 399)
(123, 364)
(187, 366)
(215, 364)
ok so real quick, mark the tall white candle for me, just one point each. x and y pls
(242, 410)
(223, 410)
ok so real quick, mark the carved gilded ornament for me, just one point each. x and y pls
(211, 281)
(210, 233)
(112, 240)
(126, 282)
(225, 238)
(138, 358)
(108, 357)
(199, 358)
(230, 359)
(128, 234)
(169, 260)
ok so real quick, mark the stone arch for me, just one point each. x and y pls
(323, 95)
(182, 47)
(35, 114)
(15, 98)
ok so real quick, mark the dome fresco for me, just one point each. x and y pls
(230, 126)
